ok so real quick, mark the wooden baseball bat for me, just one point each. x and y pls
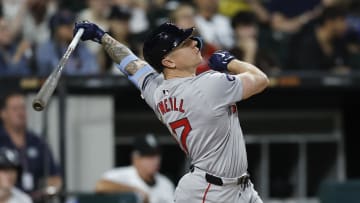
(47, 89)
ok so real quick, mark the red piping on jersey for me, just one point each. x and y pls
(184, 122)
(206, 191)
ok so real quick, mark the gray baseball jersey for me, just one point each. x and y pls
(201, 114)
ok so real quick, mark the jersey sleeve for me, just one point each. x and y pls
(148, 86)
(221, 89)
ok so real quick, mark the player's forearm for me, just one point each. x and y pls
(282, 23)
(118, 52)
(238, 67)
(104, 186)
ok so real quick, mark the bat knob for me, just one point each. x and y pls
(38, 105)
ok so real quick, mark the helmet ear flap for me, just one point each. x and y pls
(199, 42)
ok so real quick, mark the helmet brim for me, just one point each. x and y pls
(187, 33)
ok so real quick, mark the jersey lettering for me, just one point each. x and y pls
(170, 104)
(184, 122)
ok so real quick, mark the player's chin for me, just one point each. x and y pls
(198, 62)
(200, 56)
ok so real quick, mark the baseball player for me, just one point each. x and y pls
(199, 111)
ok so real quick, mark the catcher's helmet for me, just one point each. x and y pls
(162, 41)
(9, 159)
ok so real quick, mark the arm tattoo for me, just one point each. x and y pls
(118, 52)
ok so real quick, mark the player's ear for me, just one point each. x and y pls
(167, 62)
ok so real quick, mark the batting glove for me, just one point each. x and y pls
(91, 31)
(220, 59)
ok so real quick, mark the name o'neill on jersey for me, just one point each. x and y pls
(170, 104)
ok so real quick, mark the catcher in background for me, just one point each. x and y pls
(9, 171)
(142, 177)
(200, 111)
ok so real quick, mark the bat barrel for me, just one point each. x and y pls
(47, 90)
(42, 98)
(38, 105)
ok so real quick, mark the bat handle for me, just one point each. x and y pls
(76, 38)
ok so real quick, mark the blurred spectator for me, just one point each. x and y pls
(36, 21)
(159, 11)
(14, 54)
(9, 171)
(353, 35)
(139, 22)
(142, 177)
(14, 12)
(323, 48)
(231, 7)
(120, 30)
(96, 12)
(247, 47)
(48, 54)
(40, 175)
(327, 3)
(213, 27)
(291, 16)
(184, 17)
(72, 5)
(10, 8)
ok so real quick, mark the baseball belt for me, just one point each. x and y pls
(243, 180)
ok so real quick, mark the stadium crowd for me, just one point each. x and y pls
(276, 35)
